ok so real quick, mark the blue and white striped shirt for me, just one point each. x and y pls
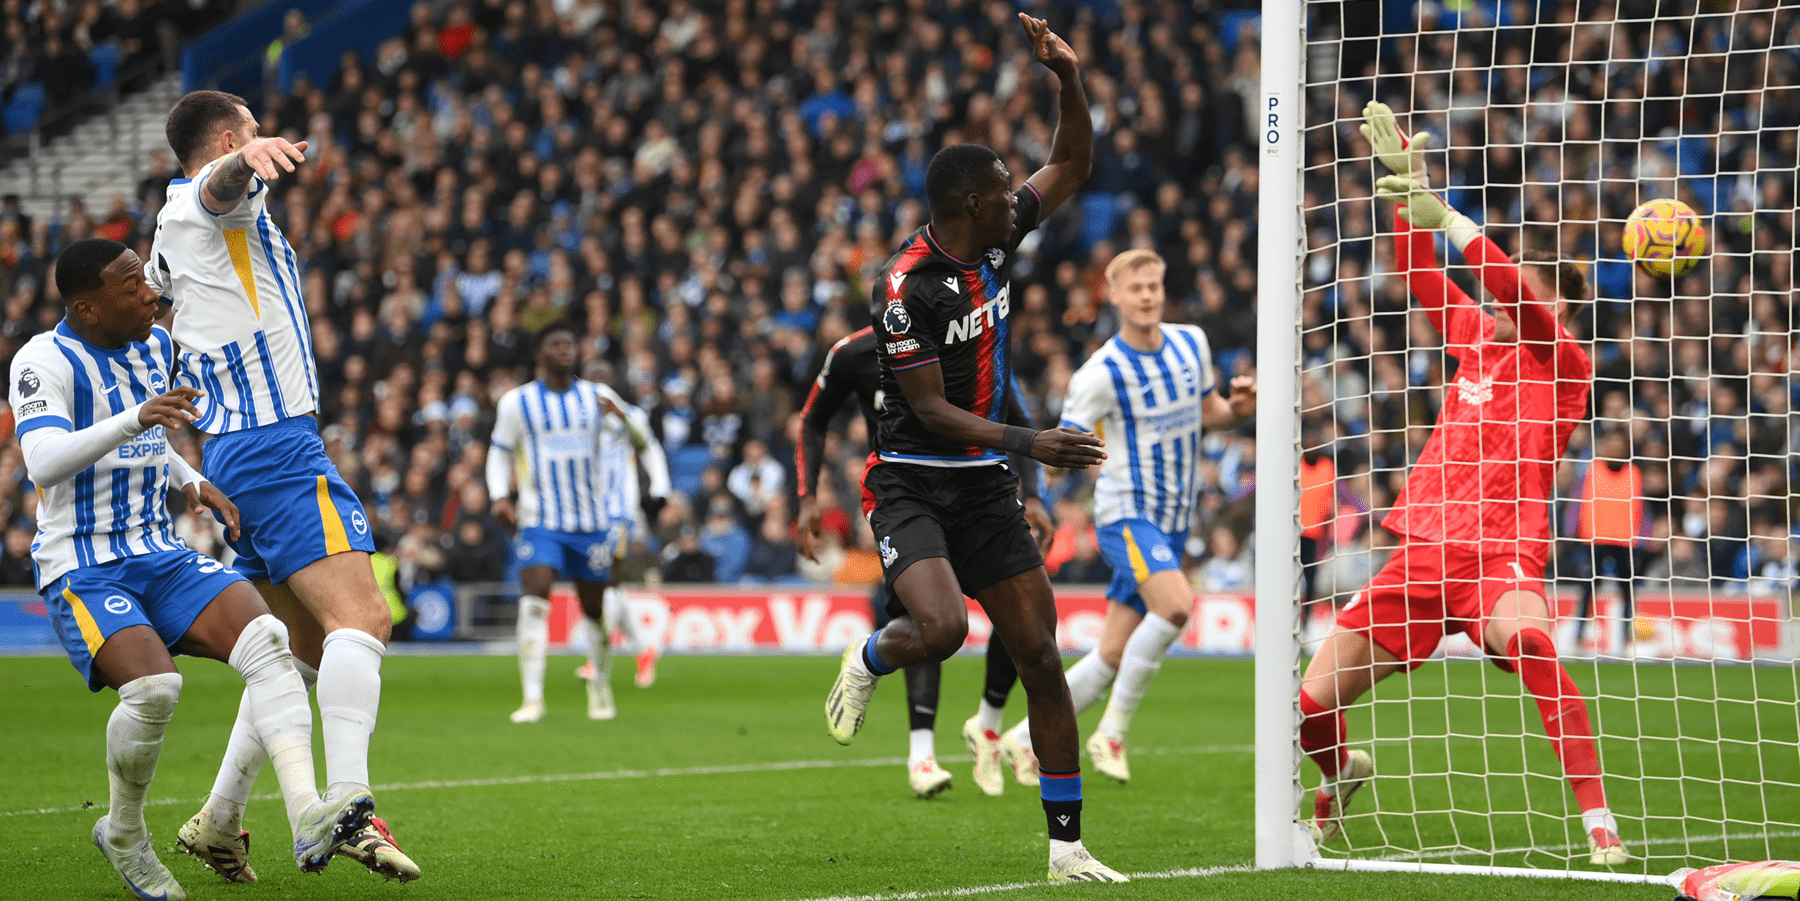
(564, 455)
(1146, 407)
(118, 507)
(240, 317)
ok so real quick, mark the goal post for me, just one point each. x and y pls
(1551, 121)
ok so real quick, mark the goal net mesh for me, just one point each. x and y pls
(1550, 122)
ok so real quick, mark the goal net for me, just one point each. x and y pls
(1674, 556)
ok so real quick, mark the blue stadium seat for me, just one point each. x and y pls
(22, 111)
(106, 64)
(686, 465)
(1099, 217)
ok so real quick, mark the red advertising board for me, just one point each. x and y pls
(824, 620)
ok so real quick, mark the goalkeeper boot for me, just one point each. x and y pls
(985, 745)
(1334, 797)
(331, 821)
(1080, 866)
(646, 667)
(374, 847)
(849, 698)
(927, 778)
(1605, 849)
(138, 866)
(1021, 758)
(225, 852)
(1108, 754)
(600, 700)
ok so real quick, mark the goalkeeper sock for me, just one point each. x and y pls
(1564, 712)
(1322, 735)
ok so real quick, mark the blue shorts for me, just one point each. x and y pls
(1136, 550)
(165, 591)
(295, 508)
(581, 556)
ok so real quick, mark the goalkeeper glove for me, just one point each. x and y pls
(1427, 210)
(1400, 155)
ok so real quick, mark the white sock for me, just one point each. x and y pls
(275, 704)
(921, 745)
(244, 759)
(618, 617)
(349, 697)
(599, 651)
(987, 717)
(1059, 848)
(133, 743)
(534, 644)
(1020, 732)
(1597, 818)
(1088, 680)
(1143, 656)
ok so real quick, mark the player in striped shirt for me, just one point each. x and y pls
(1474, 517)
(93, 406)
(1146, 393)
(240, 322)
(561, 440)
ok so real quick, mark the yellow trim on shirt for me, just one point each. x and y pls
(237, 241)
(336, 541)
(90, 630)
(1139, 568)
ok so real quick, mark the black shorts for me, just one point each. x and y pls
(971, 516)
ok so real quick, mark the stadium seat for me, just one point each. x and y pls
(1099, 217)
(105, 59)
(686, 465)
(22, 111)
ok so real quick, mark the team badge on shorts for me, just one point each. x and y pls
(888, 554)
(118, 604)
(526, 550)
(1162, 554)
(359, 522)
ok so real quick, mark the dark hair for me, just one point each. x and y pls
(78, 266)
(1571, 281)
(197, 118)
(560, 325)
(956, 172)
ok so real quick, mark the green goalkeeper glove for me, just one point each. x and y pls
(1427, 210)
(1401, 156)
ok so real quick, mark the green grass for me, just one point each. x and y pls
(639, 807)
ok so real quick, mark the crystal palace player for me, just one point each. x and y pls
(941, 498)
(1474, 516)
(851, 367)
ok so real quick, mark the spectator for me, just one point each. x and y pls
(1228, 565)
(724, 539)
(685, 562)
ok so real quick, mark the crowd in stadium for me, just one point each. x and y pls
(704, 190)
(1554, 134)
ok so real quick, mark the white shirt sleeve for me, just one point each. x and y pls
(1090, 398)
(655, 463)
(501, 444)
(181, 474)
(54, 451)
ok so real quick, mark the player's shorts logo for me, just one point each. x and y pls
(118, 604)
(358, 522)
(895, 319)
(888, 554)
(1162, 554)
(28, 382)
(596, 555)
(526, 550)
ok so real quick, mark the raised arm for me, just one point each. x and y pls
(264, 158)
(1072, 147)
(1535, 318)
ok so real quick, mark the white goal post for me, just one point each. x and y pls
(1694, 697)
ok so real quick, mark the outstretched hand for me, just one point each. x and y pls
(1066, 448)
(1420, 207)
(171, 409)
(1046, 47)
(269, 157)
(1402, 155)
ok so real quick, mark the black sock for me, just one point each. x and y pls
(1001, 673)
(922, 694)
(1061, 791)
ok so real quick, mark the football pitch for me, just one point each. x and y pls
(719, 782)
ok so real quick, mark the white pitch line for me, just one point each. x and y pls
(663, 773)
(969, 890)
(1443, 853)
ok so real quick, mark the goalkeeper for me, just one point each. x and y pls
(1474, 516)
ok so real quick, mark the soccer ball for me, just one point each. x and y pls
(1664, 238)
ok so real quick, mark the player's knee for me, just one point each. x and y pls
(1531, 643)
(942, 637)
(152, 698)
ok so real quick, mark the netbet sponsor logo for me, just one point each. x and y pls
(984, 316)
